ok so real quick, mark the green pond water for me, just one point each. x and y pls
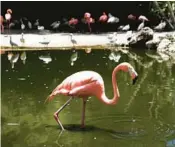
(143, 117)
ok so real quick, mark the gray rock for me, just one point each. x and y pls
(171, 47)
(163, 45)
(152, 44)
(140, 38)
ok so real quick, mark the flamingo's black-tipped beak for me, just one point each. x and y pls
(134, 80)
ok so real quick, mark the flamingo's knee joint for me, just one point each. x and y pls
(55, 115)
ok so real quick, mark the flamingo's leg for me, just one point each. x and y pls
(59, 110)
(83, 113)
(2, 28)
(89, 26)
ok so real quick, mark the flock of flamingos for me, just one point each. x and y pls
(24, 23)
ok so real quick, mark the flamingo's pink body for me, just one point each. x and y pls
(89, 83)
(81, 84)
(131, 17)
(73, 21)
(103, 18)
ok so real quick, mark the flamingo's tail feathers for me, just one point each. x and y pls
(49, 98)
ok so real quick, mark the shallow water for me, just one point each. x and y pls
(144, 115)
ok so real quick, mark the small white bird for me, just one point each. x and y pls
(40, 28)
(55, 25)
(22, 38)
(112, 19)
(160, 26)
(22, 26)
(29, 25)
(72, 39)
(126, 27)
(120, 28)
(36, 23)
(12, 43)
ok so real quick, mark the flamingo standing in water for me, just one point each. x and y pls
(8, 18)
(89, 83)
(1, 24)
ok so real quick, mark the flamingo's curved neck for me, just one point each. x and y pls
(116, 96)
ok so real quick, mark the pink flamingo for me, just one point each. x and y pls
(88, 19)
(103, 18)
(131, 17)
(1, 23)
(89, 83)
(73, 21)
(8, 17)
(87, 15)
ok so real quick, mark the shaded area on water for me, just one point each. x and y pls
(144, 114)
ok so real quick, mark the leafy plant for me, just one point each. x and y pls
(164, 10)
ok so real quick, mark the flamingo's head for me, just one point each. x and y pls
(9, 11)
(87, 15)
(133, 74)
(126, 67)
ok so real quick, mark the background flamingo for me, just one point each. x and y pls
(88, 19)
(73, 22)
(8, 17)
(132, 21)
(103, 18)
(103, 22)
(89, 83)
(87, 15)
(1, 24)
(143, 19)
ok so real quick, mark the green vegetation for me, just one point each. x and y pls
(165, 10)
